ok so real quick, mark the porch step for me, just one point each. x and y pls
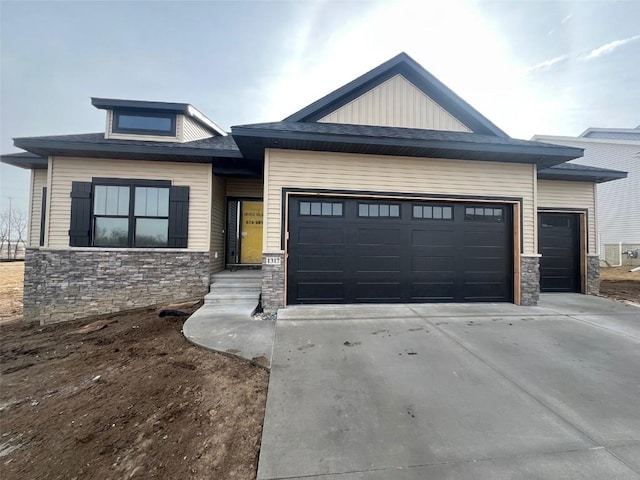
(235, 287)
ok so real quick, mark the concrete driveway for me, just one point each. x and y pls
(490, 391)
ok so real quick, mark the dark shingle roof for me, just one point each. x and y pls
(577, 172)
(374, 131)
(378, 140)
(221, 152)
(94, 144)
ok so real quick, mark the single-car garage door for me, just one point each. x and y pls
(346, 250)
(559, 244)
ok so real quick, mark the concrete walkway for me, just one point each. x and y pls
(455, 392)
(231, 330)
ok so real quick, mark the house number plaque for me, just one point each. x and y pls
(273, 261)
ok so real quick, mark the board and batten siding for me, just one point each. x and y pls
(245, 187)
(65, 170)
(192, 130)
(217, 224)
(571, 195)
(38, 182)
(396, 103)
(338, 171)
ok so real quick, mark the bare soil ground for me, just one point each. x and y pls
(620, 283)
(125, 397)
(11, 275)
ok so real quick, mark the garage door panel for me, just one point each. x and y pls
(378, 292)
(441, 291)
(320, 292)
(378, 236)
(485, 264)
(378, 263)
(484, 291)
(432, 238)
(321, 263)
(433, 264)
(405, 258)
(320, 236)
(558, 242)
(484, 238)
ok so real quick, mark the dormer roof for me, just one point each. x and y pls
(160, 107)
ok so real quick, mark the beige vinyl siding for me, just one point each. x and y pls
(245, 187)
(336, 171)
(217, 223)
(192, 130)
(561, 194)
(135, 136)
(396, 103)
(38, 182)
(65, 170)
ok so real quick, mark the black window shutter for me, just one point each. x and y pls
(178, 217)
(79, 233)
(43, 213)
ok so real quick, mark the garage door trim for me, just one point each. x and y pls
(514, 202)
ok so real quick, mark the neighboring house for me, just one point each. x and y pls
(390, 189)
(618, 202)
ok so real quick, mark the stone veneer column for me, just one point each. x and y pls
(61, 285)
(593, 274)
(272, 281)
(529, 279)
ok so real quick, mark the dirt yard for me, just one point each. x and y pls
(620, 283)
(11, 275)
(132, 399)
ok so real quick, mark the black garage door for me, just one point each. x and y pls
(384, 251)
(559, 244)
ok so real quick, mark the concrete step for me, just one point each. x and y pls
(231, 288)
(236, 284)
(240, 274)
(229, 301)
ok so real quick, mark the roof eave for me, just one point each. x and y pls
(49, 147)
(582, 175)
(35, 162)
(544, 157)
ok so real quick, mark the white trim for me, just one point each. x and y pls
(200, 117)
(531, 255)
(552, 138)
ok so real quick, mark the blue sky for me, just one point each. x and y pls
(532, 67)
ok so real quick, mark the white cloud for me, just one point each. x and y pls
(454, 40)
(609, 47)
(546, 64)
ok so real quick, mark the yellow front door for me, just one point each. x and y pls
(251, 232)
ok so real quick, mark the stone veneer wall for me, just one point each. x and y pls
(593, 274)
(272, 282)
(529, 280)
(61, 285)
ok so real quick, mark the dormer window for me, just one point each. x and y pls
(144, 123)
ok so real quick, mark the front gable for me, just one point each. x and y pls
(398, 93)
(396, 103)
